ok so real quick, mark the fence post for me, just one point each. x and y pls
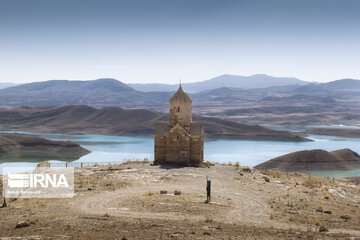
(4, 205)
(208, 189)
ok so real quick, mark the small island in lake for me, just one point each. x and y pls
(314, 160)
(18, 146)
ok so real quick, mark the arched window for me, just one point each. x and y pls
(178, 109)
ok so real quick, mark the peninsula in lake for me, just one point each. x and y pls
(25, 147)
(340, 132)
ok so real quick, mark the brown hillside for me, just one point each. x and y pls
(346, 155)
(118, 121)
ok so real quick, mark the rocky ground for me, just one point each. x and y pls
(137, 201)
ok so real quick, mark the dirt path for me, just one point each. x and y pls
(235, 200)
(230, 203)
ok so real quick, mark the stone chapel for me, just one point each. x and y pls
(179, 141)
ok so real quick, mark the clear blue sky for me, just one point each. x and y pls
(164, 40)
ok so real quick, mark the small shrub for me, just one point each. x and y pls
(209, 220)
(327, 195)
(317, 222)
(149, 193)
(274, 174)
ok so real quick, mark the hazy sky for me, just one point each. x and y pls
(164, 40)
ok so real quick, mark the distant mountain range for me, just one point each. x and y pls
(7, 84)
(226, 80)
(111, 92)
(336, 102)
(101, 92)
(334, 88)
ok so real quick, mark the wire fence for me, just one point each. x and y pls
(89, 164)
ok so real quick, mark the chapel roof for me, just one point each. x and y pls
(180, 96)
(196, 129)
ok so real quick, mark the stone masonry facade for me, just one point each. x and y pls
(179, 141)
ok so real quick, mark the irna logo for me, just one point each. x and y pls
(37, 180)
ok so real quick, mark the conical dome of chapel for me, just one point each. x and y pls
(180, 96)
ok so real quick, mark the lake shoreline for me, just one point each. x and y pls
(348, 132)
(292, 137)
(107, 148)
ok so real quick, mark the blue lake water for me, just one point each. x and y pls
(249, 153)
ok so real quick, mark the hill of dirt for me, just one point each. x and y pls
(314, 160)
(82, 119)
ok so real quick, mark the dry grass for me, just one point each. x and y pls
(275, 174)
(145, 160)
(313, 182)
(87, 183)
